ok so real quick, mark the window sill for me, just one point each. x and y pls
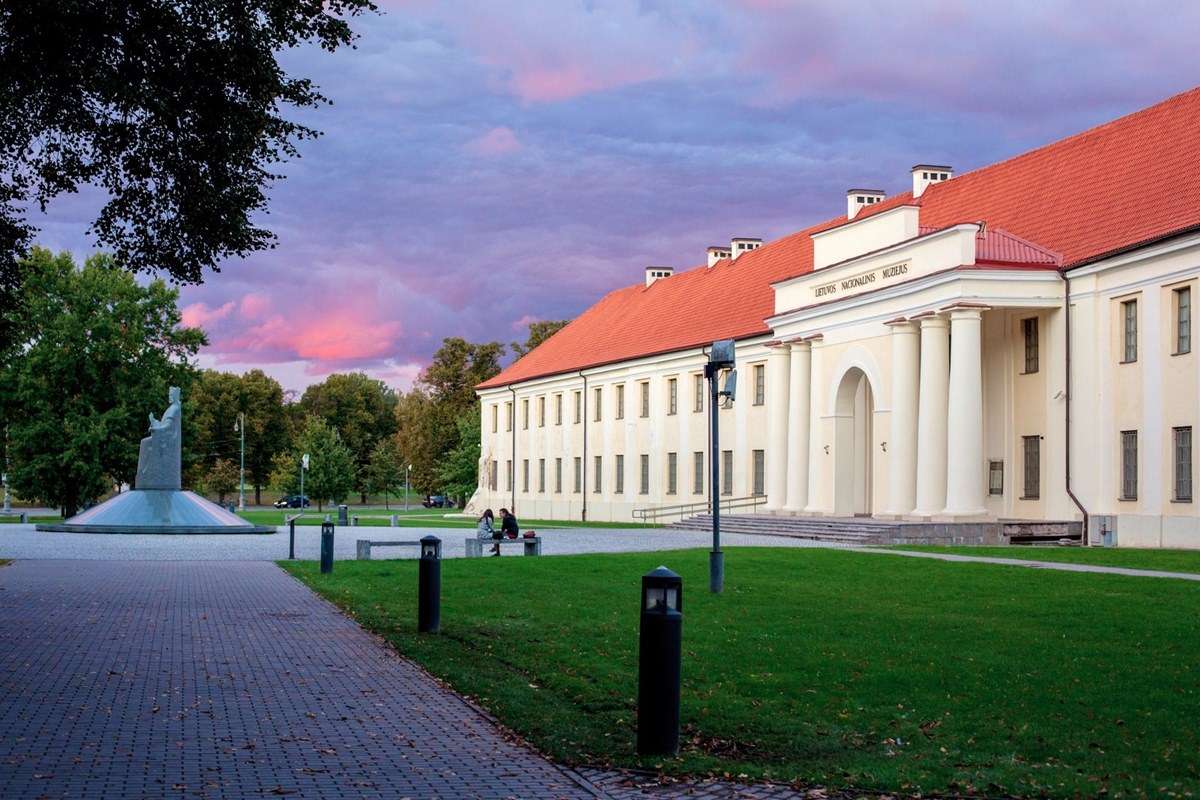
(1126, 499)
(1181, 353)
(1030, 497)
(1183, 502)
(1133, 361)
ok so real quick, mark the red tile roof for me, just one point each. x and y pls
(1116, 186)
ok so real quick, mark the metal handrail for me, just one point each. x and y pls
(683, 510)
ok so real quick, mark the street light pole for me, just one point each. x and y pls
(407, 470)
(240, 426)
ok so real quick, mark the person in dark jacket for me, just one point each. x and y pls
(508, 527)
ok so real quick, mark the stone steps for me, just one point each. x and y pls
(840, 531)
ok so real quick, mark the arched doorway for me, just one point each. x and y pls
(854, 413)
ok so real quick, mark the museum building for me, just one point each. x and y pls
(1012, 343)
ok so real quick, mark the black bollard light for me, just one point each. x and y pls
(660, 645)
(429, 586)
(327, 546)
(292, 539)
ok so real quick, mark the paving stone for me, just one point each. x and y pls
(227, 680)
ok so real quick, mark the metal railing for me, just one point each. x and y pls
(684, 510)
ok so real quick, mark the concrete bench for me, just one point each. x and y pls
(475, 545)
(363, 547)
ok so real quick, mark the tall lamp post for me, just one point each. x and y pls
(240, 427)
(407, 470)
(720, 357)
(7, 499)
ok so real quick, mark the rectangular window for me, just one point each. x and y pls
(760, 472)
(495, 418)
(525, 475)
(492, 475)
(644, 485)
(672, 473)
(1129, 465)
(558, 476)
(1032, 449)
(698, 393)
(672, 396)
(726, 472)
(542, 411)
(760, 384)
(1030, 328)
(597, 473)
(645, 390)
(598, 396)
(578, 475)
(1183, 321)
(578, 407)
(1129, 314)
(542, 475)
(620, 401)
(508, 416)
(558, 409)
(619, 476)
(508, 475)
(525, 414)
(698, 472)
(996, 477)
(1183, 464)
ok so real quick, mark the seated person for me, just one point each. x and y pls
(487, 529)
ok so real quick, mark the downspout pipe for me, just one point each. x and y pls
(583, 461)
(512, 472)
(1070, 393)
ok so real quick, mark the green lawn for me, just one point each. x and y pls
(826, 667)
(16, 519)
(423, 518)
(1166, 560)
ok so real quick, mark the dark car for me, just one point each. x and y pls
(437, 501)
(292, 501)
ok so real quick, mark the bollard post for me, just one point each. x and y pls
(326, 546)
(24, 517)
(429, 586)
(660, 641)
(292, 539)
(343, 515)
(354, 521)
(394, 521)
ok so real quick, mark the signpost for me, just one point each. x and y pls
(303, 467)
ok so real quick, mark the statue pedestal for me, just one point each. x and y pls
(168, 511)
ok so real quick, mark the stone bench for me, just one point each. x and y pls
(475, 545)
(363, 547)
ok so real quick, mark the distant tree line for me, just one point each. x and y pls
(94, 353)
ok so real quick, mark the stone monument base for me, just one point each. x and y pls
(169, 511)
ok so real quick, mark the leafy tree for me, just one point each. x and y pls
(362, 409)
(95, 354)
(330, 475)
(267, 429)
(538, 333)
(385, 472)
(172, 108)
(222, 478)
(459, 470)
(457, 368)
(424, 434)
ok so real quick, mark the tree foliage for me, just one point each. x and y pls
(362, 409)
(458, 472)
(330, 476)
(385, 472)
(172, 109)
(95, 353)
(222, 478)
(216, 401)
(538, 333)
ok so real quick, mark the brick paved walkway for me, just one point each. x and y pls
(226, 679)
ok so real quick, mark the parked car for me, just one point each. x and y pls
(292, 501)
(437, 501)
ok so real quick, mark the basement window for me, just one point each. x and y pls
(996, 477)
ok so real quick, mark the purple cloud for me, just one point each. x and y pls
(485, 165)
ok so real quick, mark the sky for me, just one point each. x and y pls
(486, 164)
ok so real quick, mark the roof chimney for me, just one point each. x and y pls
(716, 253)
(742, 244)
(654, 273)
(925, 174)
(858, 199)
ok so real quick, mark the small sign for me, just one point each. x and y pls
(865, 280)
(304, 461)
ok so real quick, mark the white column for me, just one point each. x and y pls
(798, 427)
(778, 365)
(815, 433)
(964, 458)
(931, 416)
(902, 439)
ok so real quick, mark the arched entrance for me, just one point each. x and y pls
(854, 412)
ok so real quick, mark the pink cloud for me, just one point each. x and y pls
(498, 141)
(197, 315)
(254, 305)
